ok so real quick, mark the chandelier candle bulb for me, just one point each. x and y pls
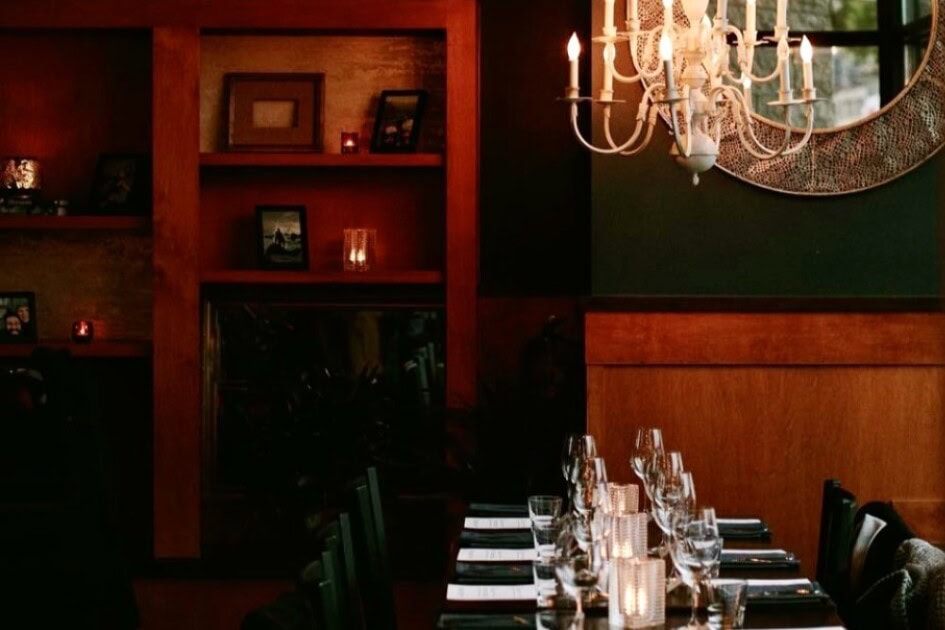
(574, 53)
(807, 56)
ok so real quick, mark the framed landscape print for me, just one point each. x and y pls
(282, 236)
(397, 126)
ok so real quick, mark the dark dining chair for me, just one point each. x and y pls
(370, 538)
(837, 516)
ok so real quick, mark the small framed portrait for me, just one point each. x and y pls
(397, 127)
(274, 111)
(282, 237)
(17, 318)
(122, 185)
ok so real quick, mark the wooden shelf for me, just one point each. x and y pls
(30, 222)
(253, 276)
(97, 349)
(331, 160)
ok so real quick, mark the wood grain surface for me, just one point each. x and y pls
(176, 304)
(761, 423)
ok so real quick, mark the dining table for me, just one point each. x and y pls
(491, 584)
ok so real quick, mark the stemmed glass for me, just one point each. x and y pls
(576, 452)
(696, 550)
(646, 444)
(579, 564)
(665, 476)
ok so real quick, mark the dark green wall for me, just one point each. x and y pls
(653, 233)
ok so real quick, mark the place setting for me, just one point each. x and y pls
(596, 559)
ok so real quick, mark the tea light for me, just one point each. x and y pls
(359, 249)
(82, 331)
(624, 497)
(350, 142)
(628, 535)
(637, 593)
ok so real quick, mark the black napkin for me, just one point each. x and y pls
(745, 531)
(787, 595)
(493, 573)
(475, 620)
(497, 509)
(746, 560)
(485, 539)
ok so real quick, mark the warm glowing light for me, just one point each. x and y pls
(610, 53)
(666, 47)
(749, 1)
(807, 51)
(706, 23)
(746, 83)
(574, 47)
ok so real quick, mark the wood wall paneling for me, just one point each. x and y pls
(176, 304)
(462, 199)
(761, 429)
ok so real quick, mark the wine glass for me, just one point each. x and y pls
(579, 564)
(696, 550)
(580, 449)
(589, 479)
(646, 444)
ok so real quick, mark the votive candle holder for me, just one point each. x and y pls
(628, 535)
(637, 593)
(350, 142)
(624, 498)
(358, 251)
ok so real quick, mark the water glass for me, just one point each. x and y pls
(544, 507)
(546, 583)
(727, 602)
(545, 534)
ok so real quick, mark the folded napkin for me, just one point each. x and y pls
(739, 521)
(759, 559)
(491, 592)
(754, 553)
(497, 509)
(493, 573)
(497, 555)
(496, 539)
(743, 528)
(478, 522)
(792, 591)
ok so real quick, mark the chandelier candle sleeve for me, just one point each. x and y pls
(667, 15)
(633, 10)
(721, 10)
(782, 15)
(666, 54)
(609, 28)
(610, 53)
(750, 27)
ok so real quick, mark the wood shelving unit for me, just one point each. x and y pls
(97, 349)
(252, 276)
(316, 160)
(28, 222)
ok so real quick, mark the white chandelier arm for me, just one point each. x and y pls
(611, 151)
(762, 152)
(679, 147)
(642, 111)
(621, 78)
(651, 124)
(649, 45)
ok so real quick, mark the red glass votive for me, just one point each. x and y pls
(82, 331)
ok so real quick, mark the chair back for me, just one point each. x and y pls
(837, 515)
(370, 542)
(322, 593)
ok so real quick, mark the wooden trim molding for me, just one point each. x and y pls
(765, 338)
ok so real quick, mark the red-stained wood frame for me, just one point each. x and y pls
(176, 293)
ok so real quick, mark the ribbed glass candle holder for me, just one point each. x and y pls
(359, 249)
(637, 593)
(628, 536)
(624, 498)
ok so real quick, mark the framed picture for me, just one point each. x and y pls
(18, 313)
(122, 184)
(397, 127)
(282, 237)
(274, 111)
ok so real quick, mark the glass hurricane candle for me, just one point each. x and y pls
(624, 497)
(359, 249)
(637, 593)
(628, 535)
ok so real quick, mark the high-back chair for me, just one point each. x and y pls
(318, 585)
(370, 541)
(837, 515)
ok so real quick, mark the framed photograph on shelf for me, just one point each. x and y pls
(18, 313)
(274, 111)
(122, 184)
(282, 237)
(397, 126)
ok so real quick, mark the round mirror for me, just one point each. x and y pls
(866, 53)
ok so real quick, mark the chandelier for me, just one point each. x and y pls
(711, 93)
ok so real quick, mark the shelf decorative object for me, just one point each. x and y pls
(350, 142)
(637, 593)
(282, 237)
(21, 174)
(359, 246)
(122, 185)
(83, 331)
(397, 127)
(275, 111)
(685, 67)
(18, 316)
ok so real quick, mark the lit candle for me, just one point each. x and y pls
(574, 52)
(349, 141)
(667, 15)
(637, 593)
(782, 15)
(609, 28)
(82, 331)
(666, 54)
(750, 28)
(807, 56)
